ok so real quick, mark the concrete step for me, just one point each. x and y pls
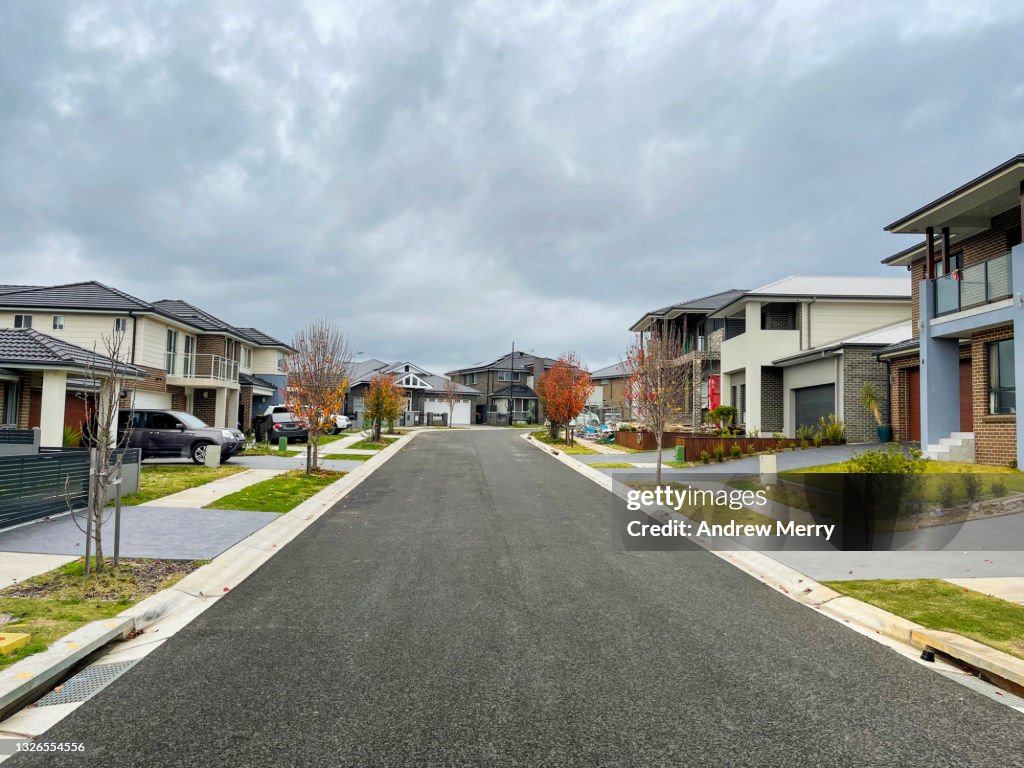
(958, 447)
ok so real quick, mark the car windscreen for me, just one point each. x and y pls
(189, 420)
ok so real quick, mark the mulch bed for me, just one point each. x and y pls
(133, 578)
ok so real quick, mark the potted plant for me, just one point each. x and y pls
(873, 403)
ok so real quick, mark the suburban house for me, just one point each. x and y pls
(954, 383)
(507, 383)
(44, 382)
(765, 327)
(425, 402)
(610, 386)
(189, 360)
(701, 335)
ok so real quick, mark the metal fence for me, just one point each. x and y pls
(17, 436)
(49, 483)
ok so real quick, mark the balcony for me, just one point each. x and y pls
(976, 286)
(201, 370)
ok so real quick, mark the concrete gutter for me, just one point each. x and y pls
(174, 607)
(848, 610)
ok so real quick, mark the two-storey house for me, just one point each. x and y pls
(954, 383)
(506, 384)
(765, 328)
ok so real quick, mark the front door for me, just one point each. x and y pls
(966, 399)
(914, 403)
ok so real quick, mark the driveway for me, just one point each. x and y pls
(146, 531)
(464, 607)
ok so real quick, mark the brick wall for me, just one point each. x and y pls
(899, 403)
(245, 404)
(771, 400)
(155, 381)
(780, 316)
(179, 400)
(205, 408)
(990, 243)
(916, 276)
(860, 367)
(995, 437)
(23, 405)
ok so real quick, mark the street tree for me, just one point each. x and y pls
(564, 391)
(316, 379)
(450, 395)
(382, 403)
(657, 383)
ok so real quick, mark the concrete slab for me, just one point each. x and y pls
(18, 566)
(1007, 588)
(146, 531)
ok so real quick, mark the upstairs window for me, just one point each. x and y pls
(469, 378)
(1002, 386)
(23, 321)
(247, 358)
(171, 351)
(508, 376)
(120, 324)
(58, 322)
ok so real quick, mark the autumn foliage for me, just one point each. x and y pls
(383, 402)
(564, 391)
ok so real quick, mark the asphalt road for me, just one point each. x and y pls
(465, 608)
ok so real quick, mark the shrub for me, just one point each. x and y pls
(626, 427)
(818, 440)
(723, 414)
(890, 460)
(778, 435)
(805, 432)
(753, 433)
(792, 446)
(972, 486)
(750, 449)
(705, 457)
(736, 452)
(998, 488)
(947, 492)
(71, 438)
(804, 443)
(720, 453)
(832, 430)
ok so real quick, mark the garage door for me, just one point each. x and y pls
(462, 412)
(152, 400)
(814, 402)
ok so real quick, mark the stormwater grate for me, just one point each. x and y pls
(86, 683)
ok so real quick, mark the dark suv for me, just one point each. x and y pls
(176, 433)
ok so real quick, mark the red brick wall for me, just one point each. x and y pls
(205, 407)
(995, 437)
(179, 400)
(990, 243)
(899, 405)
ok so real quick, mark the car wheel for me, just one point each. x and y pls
(199, 453)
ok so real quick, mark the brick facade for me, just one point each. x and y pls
(245, 407)
(860, 367)
(995, 437)
(205, 408)
(899, 394)
(772, 419)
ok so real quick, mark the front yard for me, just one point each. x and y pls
(53, 604)
(157, 480)
(576, 449)
(278, 494)
(939, 605)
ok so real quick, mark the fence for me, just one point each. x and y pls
(694, 444)
(18, 442)
(52, 482)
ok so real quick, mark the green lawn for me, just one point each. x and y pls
(157, 480)
(611, 465)
(267, 449)
(349, 456)
(577, 449)
(369, 445)
(937, 604)
(278, 494)
(53, 604)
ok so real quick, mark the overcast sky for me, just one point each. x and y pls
(442, 179)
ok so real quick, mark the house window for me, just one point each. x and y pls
(469, 378)
(120, 324)
(188, 363)
(171, 350)
(1002, 388)
(508, 376)
(281, 362)
(23, 321)
(58, 322)
(247, 358)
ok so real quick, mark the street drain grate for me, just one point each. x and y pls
(86, 683)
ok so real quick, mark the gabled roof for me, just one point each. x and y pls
(519, 390)
(255, 381)
(89, 295)
(13, 288)
(703, 305)
(523, 361)
(262, 339)
(615, 371)
(362, 372)
(196, 317)
(27, 347)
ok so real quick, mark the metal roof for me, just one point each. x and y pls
(25, 346)
(702, 305)
(255, 381)
(614, 371)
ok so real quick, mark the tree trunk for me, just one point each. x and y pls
(657, 441)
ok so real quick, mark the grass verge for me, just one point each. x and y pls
(576, 449)
(611, 465)
(266, 449)
(937, 604)
(278, 494)
(369, 445)
(159, 480)
(349, 456)
(53, 604)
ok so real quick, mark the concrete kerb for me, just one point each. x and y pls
(188, 597)
(848, 610)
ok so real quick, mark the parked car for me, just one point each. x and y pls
(283, 424)
(341, 423)
(160, 433)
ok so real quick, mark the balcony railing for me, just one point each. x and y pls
(975, 286)
(197, 366)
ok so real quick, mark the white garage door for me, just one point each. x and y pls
(462, 412)
(152, 400)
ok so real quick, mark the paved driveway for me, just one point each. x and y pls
(169, 533)
(464, 607)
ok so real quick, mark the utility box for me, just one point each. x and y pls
(212, 456)
(768, 468)
(282, 444)
(680, 453)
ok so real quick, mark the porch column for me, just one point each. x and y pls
(220, 407)
(929, 240)
(231, 411)
(51, 411)
(940, 378)
(945, 250)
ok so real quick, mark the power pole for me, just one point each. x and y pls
(511, 384)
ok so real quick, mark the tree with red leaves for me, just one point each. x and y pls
(564, 391)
